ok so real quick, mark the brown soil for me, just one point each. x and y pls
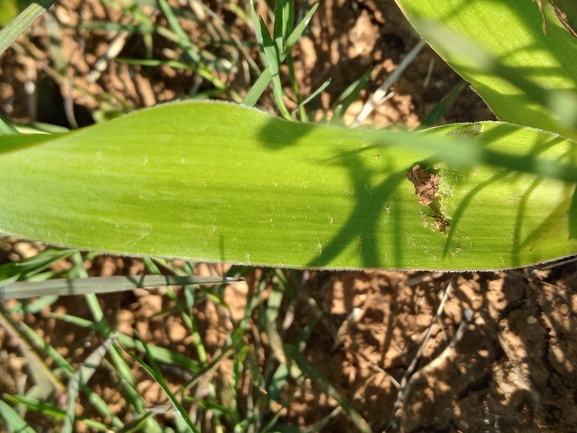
(501, 355)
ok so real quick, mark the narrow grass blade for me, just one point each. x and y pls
(43, 379)
(316, 92)
(257, 88)
(121, 367)
(326, 386)
(209, 370)
(160, 354)
(97, 402)
(53, 411)
(273, 61)
(442, 106)
(300, 342)
(137, 424)
(273, 425)
(142, 28)
(82, 286)
(349, 95)
(183, 38)
(157, 376)
(264, 79)
(80, 378)
(297, 33)
(12, 419)
(198, 344)
(185, 311)
(35, 306)
(24, 20)
(279, 24)
(271, 315)
(28, 267)
(191, 50)
(218, 409)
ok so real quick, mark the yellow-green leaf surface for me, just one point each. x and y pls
(511, 33)
(218, 182)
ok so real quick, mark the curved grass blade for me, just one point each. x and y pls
(28, 267)
(272, 59)
(264, 79)
(137, 424)
(24, 20)
(80, 378)
(53, 411)
(324, 383)
(160, 354)
(83, 286)
(218, 182)
(155, 373)
(350, 94)
(97, 402)
(441, 108)
(14, 420)
(43, 379)
(316, 92)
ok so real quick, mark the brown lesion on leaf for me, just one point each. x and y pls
(426, 186)
(561, 16)
(442, 223)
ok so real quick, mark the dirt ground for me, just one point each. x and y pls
(412, 352)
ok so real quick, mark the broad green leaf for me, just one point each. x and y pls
(510, 32)
(219, 182)
(19, 141)
(8, 12)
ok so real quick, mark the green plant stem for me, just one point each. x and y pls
(24, 20)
